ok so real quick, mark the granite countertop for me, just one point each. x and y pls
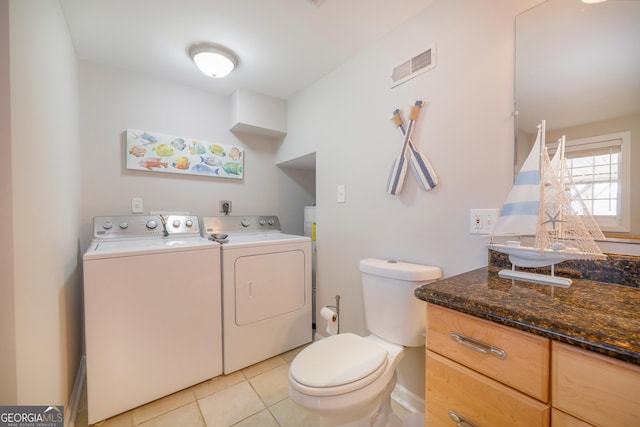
(600, 317)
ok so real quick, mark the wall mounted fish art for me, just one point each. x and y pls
(156, 152)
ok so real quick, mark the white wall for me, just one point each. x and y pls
(466, 129)
(8, 391)
(297, 187)
(113, 100)
(45, 165)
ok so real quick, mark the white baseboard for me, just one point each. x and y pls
(409, 400)
(72, 408)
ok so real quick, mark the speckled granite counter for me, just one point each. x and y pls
(595, 316)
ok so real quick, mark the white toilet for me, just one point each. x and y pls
(348, 379)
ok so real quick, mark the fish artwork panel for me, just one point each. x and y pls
(157, 152)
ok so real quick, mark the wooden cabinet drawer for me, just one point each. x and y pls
(478, 399)
(561, 419)
(595, 388)
(525, 365)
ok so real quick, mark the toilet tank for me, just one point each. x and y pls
(392, 311)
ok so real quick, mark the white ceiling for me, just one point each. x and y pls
(283, 45)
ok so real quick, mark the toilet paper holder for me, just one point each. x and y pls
(337, 309)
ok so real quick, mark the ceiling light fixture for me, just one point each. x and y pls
(316, 3)
(212, 59)
(593, 1)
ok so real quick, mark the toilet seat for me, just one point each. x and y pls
(338, 364)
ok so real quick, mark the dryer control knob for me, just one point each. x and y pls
(124, 225)
(107, 225)
(263, 222)
(176, 223)
(151, 224)
(271, 221)
(188, 223)
(245, 222)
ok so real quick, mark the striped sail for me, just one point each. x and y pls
(519, 215)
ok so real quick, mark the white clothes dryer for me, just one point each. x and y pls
(266, 288)
(153, 321)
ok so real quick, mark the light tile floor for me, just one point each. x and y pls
(256, 396)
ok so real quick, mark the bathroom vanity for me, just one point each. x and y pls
(503, 352)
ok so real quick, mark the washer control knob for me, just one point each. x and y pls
(188, 223)
(262, 222)
(176, 223)
(151, 224)
(245, 222)
(107, 225)
(124, 225)
(271, 221)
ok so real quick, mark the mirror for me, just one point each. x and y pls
(578, 67)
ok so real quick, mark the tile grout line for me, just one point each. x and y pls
(204, 421)
(274, 415)
(266, 407)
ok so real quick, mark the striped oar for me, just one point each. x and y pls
(399, 167)
(420, 163)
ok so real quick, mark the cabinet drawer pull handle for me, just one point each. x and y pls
(462, 421)
(478, 346)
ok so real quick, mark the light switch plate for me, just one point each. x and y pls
(136, 205)
(341, 196)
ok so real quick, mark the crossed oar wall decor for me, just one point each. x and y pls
(419, 162)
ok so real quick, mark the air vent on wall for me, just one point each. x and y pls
(415, 66)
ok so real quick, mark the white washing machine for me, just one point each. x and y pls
(153, 321)
(266, 288)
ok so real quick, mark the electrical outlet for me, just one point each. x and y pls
(482, 221)
(225, 207)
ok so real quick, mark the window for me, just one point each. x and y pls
(599, 167)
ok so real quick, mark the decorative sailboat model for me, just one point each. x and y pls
(546, 211)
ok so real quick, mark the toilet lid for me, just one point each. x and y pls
(337, 360)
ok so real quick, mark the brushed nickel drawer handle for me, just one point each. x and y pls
(460, 420)
(478, 346)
